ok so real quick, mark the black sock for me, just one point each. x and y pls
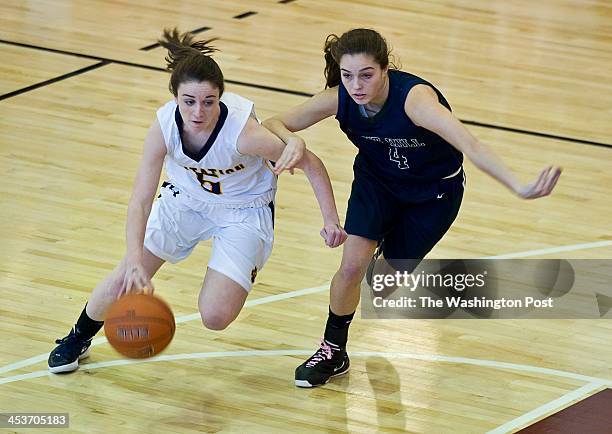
(86, 328)
(336, 329)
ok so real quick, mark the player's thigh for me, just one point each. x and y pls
(221, 299)
(421, 226)
(174, 228)
(240, 250)
(371, 209)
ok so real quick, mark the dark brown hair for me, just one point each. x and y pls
(190, 60)
(356, 41)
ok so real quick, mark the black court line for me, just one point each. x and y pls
(194, 32)
(244, 15)
(105, 61)
(50, 50)
(149, 67)
(272, 88)
(535, 133)
(286, 1)
(53, 80)
(83, 56)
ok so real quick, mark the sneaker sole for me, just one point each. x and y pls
(69, 367)
(306, 384)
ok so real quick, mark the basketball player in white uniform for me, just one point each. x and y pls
(221, 186)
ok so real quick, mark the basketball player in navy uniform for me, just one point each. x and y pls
(221, 187)
(408, 176)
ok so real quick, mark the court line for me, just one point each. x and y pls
(244, 15)
(268, 353)
(297, 92)
(154, 68)
(54, 80)
(534, 133)
(263, 300)
(42, 357)
(548, 408)
(550, 250)
(180, 319)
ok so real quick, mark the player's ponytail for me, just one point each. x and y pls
(332, 68)
(190, 60)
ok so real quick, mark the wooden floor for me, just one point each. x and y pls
(532, 80)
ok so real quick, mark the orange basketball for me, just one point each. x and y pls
(139, 325)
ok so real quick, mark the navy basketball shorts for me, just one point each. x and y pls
(406, 226)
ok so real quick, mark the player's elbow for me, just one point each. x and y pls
(271, 122)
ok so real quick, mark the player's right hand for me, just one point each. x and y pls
(333, 234)
(135, 280)
(292, 154)
(542, 186)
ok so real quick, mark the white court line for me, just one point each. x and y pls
(262, 300)
(547, 408)
(269, 353)
(553, 250)
(39, 358)
(297, 293)
(180, 319)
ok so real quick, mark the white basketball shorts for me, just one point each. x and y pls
(242, 238)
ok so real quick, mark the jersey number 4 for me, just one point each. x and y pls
(394, 155)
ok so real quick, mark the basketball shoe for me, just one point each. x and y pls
(65, 357)
(329, 361)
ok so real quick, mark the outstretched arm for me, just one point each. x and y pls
(257, 140)
(423, 108)
(317, 108)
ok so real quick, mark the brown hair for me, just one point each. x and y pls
(356, 41)
(190, 60)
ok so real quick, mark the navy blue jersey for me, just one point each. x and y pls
(391, 147)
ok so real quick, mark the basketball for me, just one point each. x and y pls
(139, 325)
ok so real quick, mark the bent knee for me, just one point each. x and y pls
(352, 272)
(216, 321)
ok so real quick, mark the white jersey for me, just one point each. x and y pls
(218, 174)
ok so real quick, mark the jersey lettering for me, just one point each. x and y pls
(211, 186)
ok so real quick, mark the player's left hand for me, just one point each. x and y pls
(333, 234)
(292, 154)
(542, 186)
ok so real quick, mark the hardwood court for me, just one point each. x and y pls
(532, 80)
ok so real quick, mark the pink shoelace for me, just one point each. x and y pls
(324, 353)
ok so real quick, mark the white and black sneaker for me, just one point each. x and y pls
(65, 357)
(329, 361)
